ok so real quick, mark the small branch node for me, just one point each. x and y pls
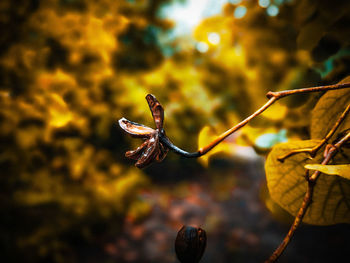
(270, 94)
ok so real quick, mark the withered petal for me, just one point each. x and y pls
(163, 151)
(135, 154)
(135, 129)
(150, 153)
(157, 110)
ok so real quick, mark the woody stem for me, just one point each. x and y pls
(272, 96)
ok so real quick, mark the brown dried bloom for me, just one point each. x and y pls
(152, 149)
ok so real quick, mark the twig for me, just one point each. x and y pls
(312, 151)
(272, 96)
(329, 154)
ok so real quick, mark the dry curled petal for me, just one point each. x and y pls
(157, 111)
(135, 129)
(136, 154)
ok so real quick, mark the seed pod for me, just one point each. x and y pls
(190, 244)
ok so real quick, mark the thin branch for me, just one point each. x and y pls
(312, 151)
(304, 206)
(284, 93)
(329, 154)
(272, 96)
(227, 133)
(164, 139)
(221, 137)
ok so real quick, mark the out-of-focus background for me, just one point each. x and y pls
(69, 69)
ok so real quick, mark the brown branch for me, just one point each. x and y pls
(329, 154)
(227, 133)
(273, 97)
(285, 93)
(304, 206)
(313, 151)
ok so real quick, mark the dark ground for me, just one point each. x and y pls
(238, 225)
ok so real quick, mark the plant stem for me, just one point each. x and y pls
(329, 154)
(304, 206)
(314, 150)
(284, 93)
(272, 96)
(227, 133)
(164, 139)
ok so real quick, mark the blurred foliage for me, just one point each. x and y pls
(71, 68)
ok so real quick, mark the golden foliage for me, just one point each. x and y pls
(287, 186)
(327, 110)
(343, 170)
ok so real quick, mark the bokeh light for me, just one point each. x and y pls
(272, 10)
(202, 47)
(214, 38)
(188, 14)
(240, 11)
(264, 3)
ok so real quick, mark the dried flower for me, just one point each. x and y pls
(152, 149)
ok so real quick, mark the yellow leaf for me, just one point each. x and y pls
(287, 186)
(342, 170)
(276, 112)
(327, 110)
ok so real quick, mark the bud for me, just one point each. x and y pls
(190, 244)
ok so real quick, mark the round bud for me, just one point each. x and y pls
(190, 244)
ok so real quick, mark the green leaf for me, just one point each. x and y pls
(287, 186)
(342, 170)
(327, 111)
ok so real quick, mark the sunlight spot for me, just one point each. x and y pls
(272, 10)
(214, 38)
(240, 12)
(187, 15)
(202, 47)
